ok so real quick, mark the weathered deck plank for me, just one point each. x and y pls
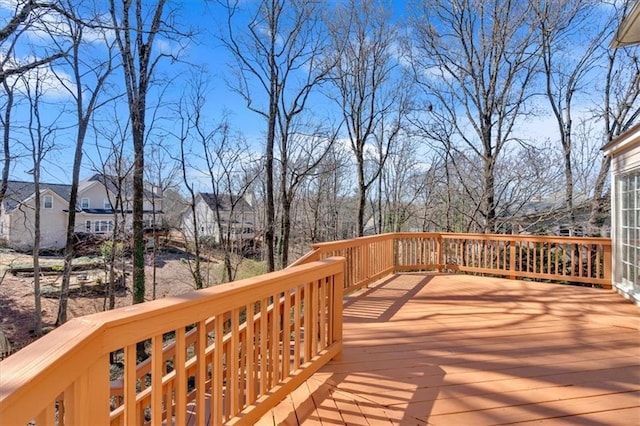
(456, 349)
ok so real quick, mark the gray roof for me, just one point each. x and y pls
(224, 201)
(111, 183)
(18, 191)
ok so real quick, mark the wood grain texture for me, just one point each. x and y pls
(454, 350)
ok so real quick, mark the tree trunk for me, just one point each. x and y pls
(5, 141)
(37, 314)
(270, 213)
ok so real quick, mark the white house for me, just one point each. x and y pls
(96, 211)
(625, 215)
(625, 185)
(236, 215)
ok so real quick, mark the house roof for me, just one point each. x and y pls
(19, 191)
(224, 201)
(629, 30)
(628, 139)
(111, 183)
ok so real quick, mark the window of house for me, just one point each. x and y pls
(107, 204)
(629, 228)
(101, 226)
(87, 226)
(84, 203)
(47, 202)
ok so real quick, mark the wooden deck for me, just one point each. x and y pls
(465, 350)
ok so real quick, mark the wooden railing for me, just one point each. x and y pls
(231, 352)
(368, 258)
(226, 354)
(559, 259)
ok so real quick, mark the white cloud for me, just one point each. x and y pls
(53, 86)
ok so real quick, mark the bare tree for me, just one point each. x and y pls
(6, 120)
(284, 49)
(229, 169)
(27, 16)
(325, 201)
(115, 169)
(476, 60)
(40, 136)
(300, 156)
(568, 69)
(185, 124)
(620, 110)
(89, 76)
(162, 172)
(372, 97)
(135, 37)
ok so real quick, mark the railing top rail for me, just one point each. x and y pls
(505, 237)
(335, 245)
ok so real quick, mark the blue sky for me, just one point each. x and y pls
(205, 17)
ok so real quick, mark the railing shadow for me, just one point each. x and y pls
(412, 341)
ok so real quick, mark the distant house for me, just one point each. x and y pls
(236, 215)
(96, 210)
(625, 201)
(551, 217)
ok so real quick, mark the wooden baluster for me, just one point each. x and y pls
(315, 290)
(297, 301)
(157, 372)
(308, 289)
(286, 335)
(217, 393)
(250, 367)
(181, 377)
(130, 411)
(201, 373)
(264, 362)
(47, 416)
(233, 388)
(336, 311)
(169, 402)
(323, 313)
(512, 259)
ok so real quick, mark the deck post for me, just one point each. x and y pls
(607, 258)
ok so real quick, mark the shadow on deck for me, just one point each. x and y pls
(457, 349)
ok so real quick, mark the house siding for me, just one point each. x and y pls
(21, 226)
(625, 160)
(208, 225)
(17, 221)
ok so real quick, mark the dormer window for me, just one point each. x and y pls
(84, 204)
(47, 202)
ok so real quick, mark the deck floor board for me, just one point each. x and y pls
(455, 349)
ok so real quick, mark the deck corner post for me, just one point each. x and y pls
(607, 258)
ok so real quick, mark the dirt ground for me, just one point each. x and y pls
(17, 299)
